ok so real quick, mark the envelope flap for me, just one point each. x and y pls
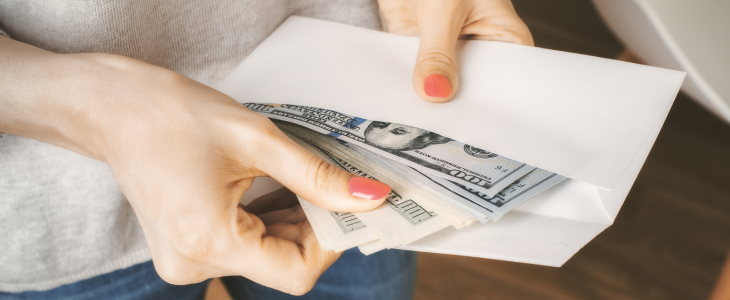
(579, 116)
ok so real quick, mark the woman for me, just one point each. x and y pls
(116, 152)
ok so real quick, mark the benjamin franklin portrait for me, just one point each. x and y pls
(397, 137)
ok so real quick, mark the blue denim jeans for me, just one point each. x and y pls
(384, 275)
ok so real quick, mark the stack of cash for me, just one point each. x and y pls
(436, 182)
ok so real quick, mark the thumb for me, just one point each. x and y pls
(435, 77)
(320, 182)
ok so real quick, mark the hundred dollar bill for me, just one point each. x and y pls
(482, 206)
(352, 155)
(401, 220)
(425, 183)
(336, 231)
(426, 151)
(515, 194)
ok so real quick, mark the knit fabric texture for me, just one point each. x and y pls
(62, 217)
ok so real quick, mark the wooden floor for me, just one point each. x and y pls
(673, 233)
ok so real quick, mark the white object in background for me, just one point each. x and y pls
(692, 36)
(591, 119)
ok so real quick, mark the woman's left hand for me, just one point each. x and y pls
(440, 23)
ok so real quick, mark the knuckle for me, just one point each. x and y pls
(174, 271)
(306, 275)
(189, 248)
(249, 227)
(187, 239)
(298, 211)
(304, 283)
(514, 37)
(323, 174)
(303, 228)
(524, 38)
(294, 209)
(301, 289)
(436, 58)
(193, 246)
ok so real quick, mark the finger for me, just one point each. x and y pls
(435, 77)
(290, 215)
(303, 264)
(276, 200)
(315, 258)
(317, 181)
(296, 232)
(399, 17)
(287, 258)
(497, 21)
(511, 31)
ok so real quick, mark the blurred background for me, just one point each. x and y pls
(672, 235)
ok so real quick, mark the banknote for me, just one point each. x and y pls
(426, 151)
(372, 247)
(402, 220)
(425, 183)
(521, 190)
(347, 155)
(513, 195)
(336, 231)
(419, 204)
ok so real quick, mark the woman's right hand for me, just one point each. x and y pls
(183, 154)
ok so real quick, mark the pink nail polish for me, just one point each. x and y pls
(365, 188)
(437, 86)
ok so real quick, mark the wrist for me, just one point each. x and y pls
(57, 98)
(47, 100)
(91, 103)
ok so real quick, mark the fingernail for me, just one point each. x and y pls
(437, 86)
(365, 188)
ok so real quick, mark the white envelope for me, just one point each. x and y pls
(591, 119)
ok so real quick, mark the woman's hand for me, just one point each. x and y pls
(183, 154)
(440, 23)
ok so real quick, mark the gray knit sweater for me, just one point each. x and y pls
(62, 217)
